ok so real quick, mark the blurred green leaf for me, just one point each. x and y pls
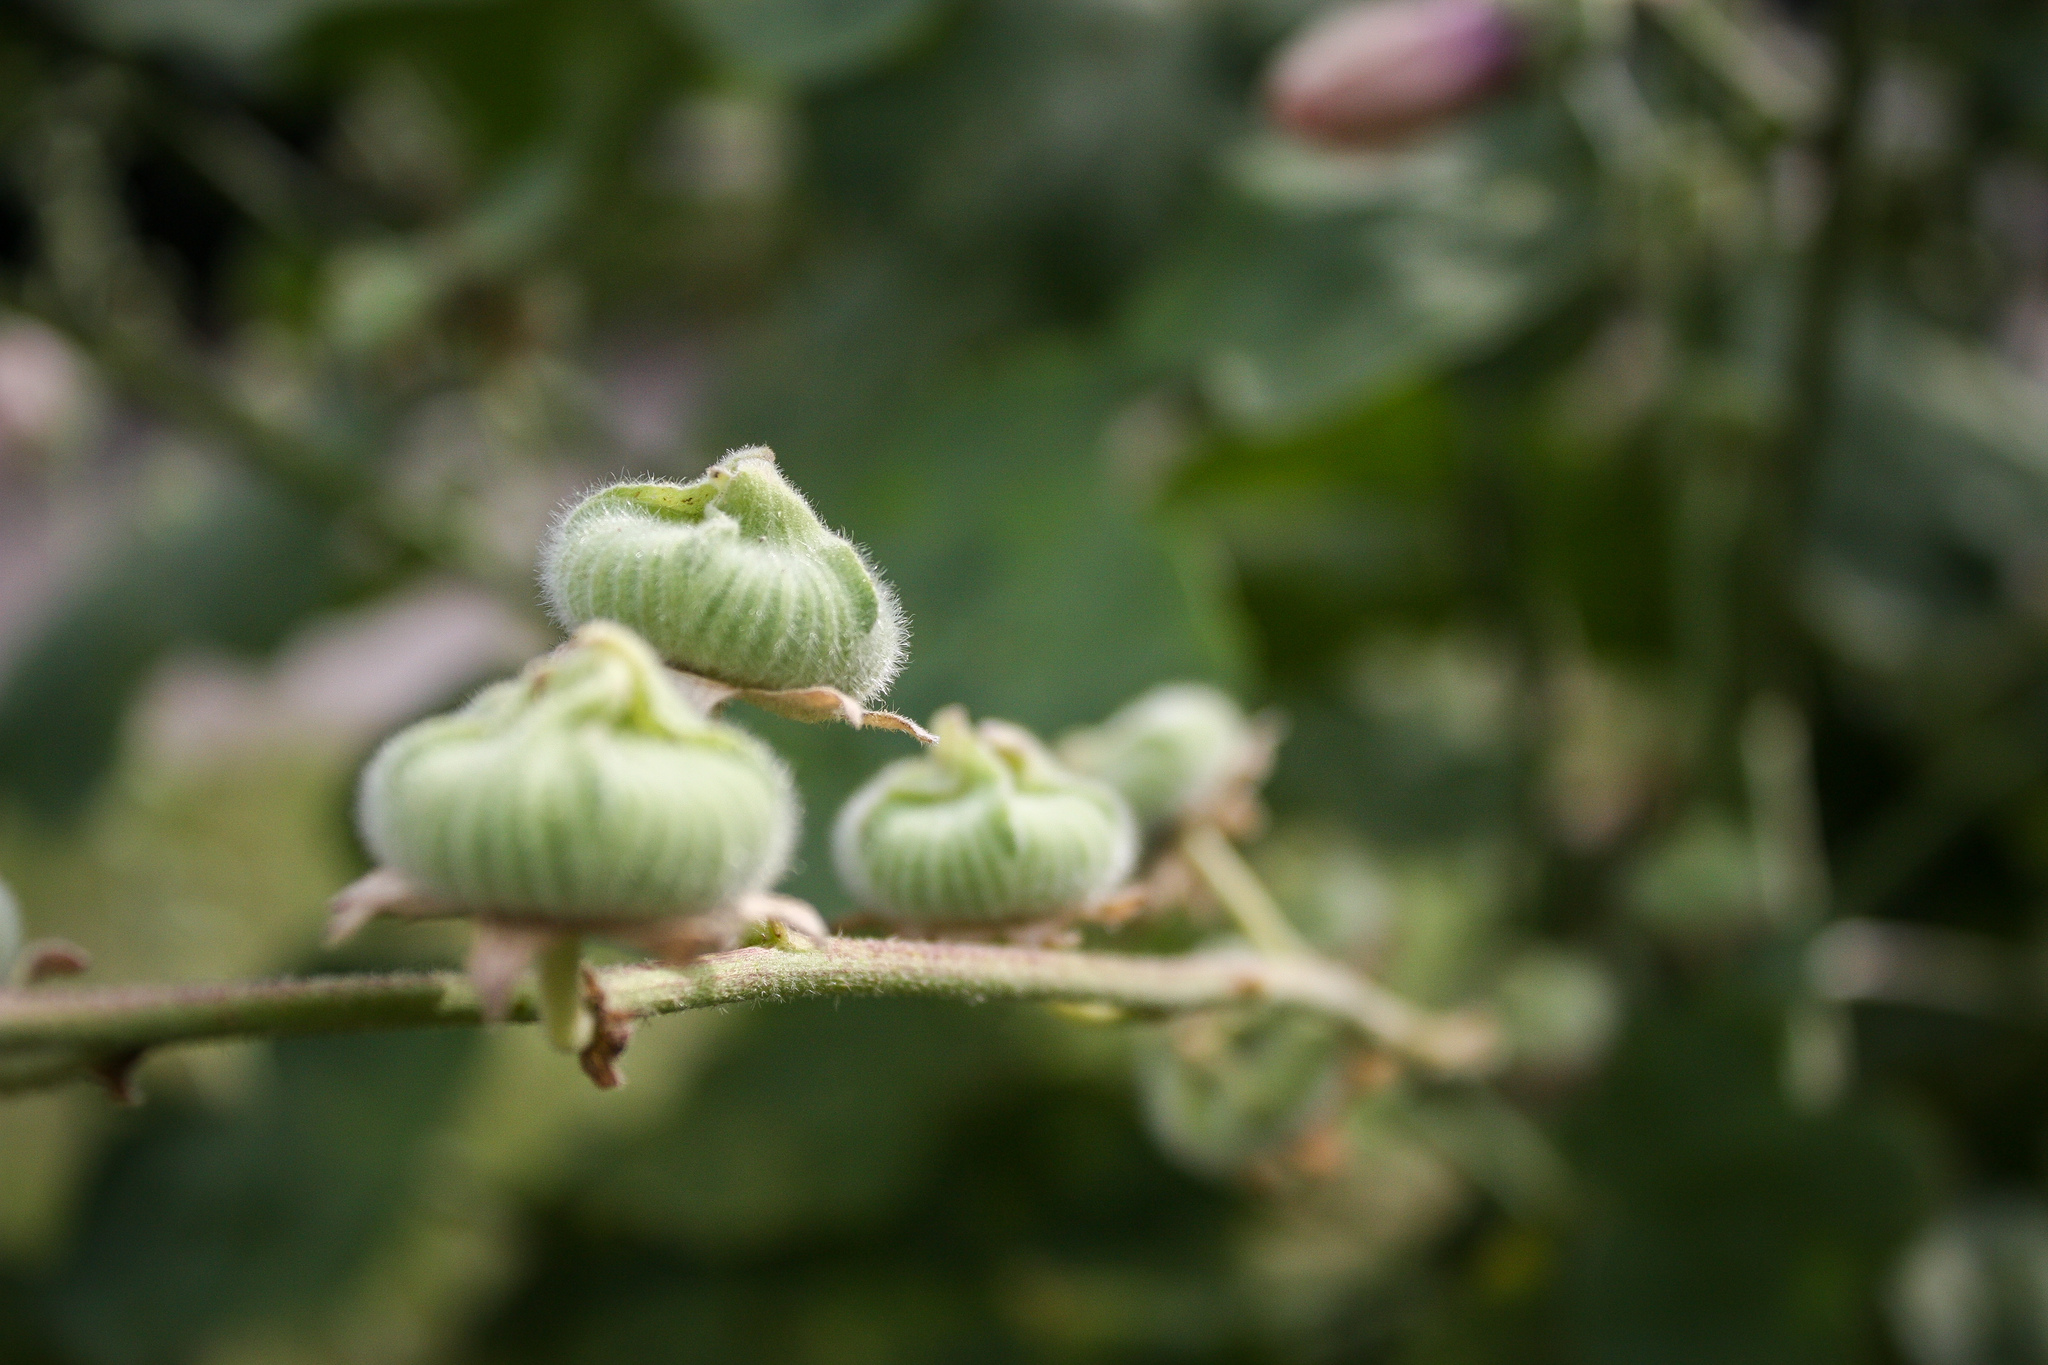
(1289, 313)
(202, 1222)
(805, 40)
(223, 30)
(795, 1132)
(235, 566)
(1730, 1225)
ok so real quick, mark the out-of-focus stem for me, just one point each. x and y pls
(1787, 492)
(1444, 1042)
(1241, 894)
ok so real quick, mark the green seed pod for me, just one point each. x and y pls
(1218, 1089)
(732, 576)
(985, 826)
(586, 789)
(1700, 884)
(1561, 1010)
(1180, 752)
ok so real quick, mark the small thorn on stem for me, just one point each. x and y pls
(49, 958)
(117, 1074)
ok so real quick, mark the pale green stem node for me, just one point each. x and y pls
(563, 1011)
(731, 576)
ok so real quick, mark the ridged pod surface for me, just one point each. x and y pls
(984, 826)
(1170, 752)
(732, 576)
(585, 788)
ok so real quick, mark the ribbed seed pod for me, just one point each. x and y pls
(1220, 1088)
(585, 789)
(985, 826)
(1175, 753)
(732, 576)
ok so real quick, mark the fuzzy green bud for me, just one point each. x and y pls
(1561, 1009)
(584, 789)
(985, 826)
(1176, 753)
(1219, 1089)
(1700, 884)
(732, 576)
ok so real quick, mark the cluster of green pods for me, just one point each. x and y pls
(592, 794)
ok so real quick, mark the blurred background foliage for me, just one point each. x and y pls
(1634, 493)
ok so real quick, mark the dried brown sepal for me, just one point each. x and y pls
(1468, 1042)
(1320, 1152)
(1235, 807)
(1372, 1071)
(505, 948)
(379, 894)
(498, 957)
(600, 1057)
(1169, 883)
(762, 918)
(1115, 911)
(812, 705)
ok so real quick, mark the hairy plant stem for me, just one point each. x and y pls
(1241, 894)
(53, 1034)
(1446, 1043)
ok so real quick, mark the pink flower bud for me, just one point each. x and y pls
(1371, 74)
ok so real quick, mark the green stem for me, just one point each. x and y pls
(562, 1012)
(50, 1034)
(1446, 1043)
(1786, 497)
(1243, 896)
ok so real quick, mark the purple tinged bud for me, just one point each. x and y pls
(1373, 74)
